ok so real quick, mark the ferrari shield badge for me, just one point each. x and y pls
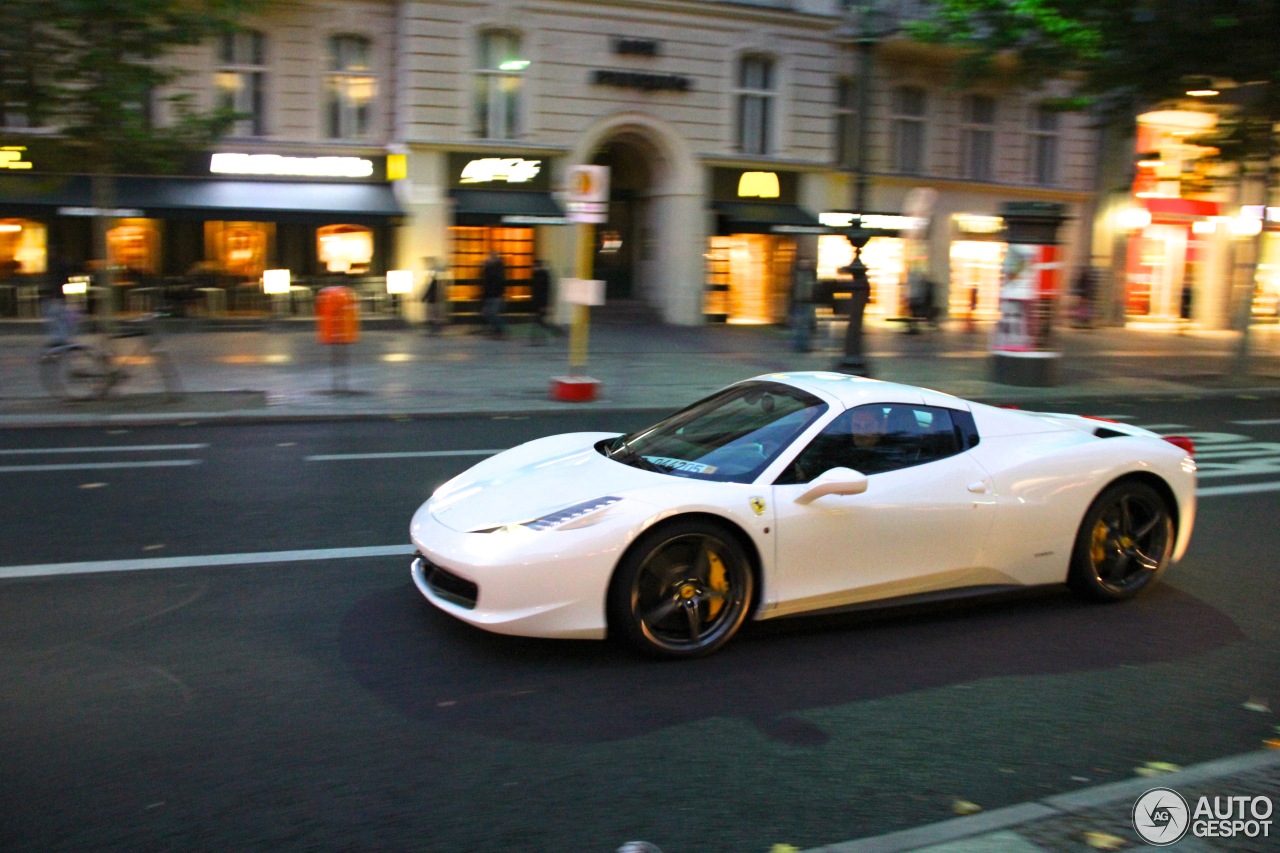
(757, 505)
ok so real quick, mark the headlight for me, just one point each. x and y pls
(570, 514)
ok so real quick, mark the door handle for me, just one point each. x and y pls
(978, 487)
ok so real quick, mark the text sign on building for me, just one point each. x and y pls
(487, 170)
(11, 158)
(587, 194)
(500, 170)
(278, 165)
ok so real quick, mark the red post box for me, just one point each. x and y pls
(337, 316)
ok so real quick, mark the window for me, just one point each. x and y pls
(880, 437)
(1044, 146)
(977, 137)
(352, 87)
(846, 123)
(240, 78)
(908, 130)
(345, 248)
(499, 83)
(755, 104)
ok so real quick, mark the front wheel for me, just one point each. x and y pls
(682, 591)
(1124, 543)
(77, 372)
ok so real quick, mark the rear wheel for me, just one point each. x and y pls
(1124, 543)
(682, 591)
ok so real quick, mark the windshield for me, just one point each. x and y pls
(731, 436)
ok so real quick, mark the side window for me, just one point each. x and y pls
(877, 438)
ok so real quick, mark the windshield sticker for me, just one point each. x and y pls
(681, 465)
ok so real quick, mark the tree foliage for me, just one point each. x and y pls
(1126, 55)
(89, 71)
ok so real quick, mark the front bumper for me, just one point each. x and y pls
(525, 583)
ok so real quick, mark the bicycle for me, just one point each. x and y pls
(81, 371)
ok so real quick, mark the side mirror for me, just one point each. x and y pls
(837, 481)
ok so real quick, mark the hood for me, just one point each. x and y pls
(534, 480)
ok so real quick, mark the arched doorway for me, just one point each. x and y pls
(627, 237)
(649, 251)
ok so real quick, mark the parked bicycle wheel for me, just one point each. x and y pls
(76, 372)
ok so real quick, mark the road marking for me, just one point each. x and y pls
(345, 457)
(97, 466)
(135, 448)
(1259, 422)
(208, 560)
(1242, 489)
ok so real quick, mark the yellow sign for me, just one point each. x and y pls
(758, 185)
(11, 157)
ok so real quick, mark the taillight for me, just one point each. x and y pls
(1183, 442)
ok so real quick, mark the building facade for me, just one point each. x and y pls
(380, 135)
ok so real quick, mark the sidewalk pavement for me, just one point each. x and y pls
(282, 372)
(1101, 817)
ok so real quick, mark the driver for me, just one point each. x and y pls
(866, 426)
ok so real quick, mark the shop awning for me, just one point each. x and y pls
(191, 198)
(505, 207)
(745, 217)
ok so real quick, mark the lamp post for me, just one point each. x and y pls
(853, 361)
(865, 30)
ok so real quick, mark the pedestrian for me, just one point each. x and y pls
(433, 298)
(540, 302)
(493, 287)
(1083, 287)
(804, 284)
(60, 318)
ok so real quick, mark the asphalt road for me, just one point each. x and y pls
(240, 695)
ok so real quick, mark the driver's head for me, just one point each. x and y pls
(866, 426)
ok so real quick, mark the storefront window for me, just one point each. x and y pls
(1266, 302)
(975, 279)
(345, 248)
(239, 248)
(134, 245)
(886, 260)
(22, 247)
(749, 277)
(471, 245)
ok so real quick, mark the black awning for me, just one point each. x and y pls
(748, 217)
(505, 207)
(253, 200)
(196, 198)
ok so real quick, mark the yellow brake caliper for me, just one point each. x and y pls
(1098, 549)
(717, 579)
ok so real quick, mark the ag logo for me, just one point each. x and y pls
(1161, 817)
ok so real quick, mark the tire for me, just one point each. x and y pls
(1125, 542)
(77, 372)
(682, 591)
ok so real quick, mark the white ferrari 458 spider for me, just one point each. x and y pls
(795, 493)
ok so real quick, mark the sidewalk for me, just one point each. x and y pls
(1098, 818)
(281, 372)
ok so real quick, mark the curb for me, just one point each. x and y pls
(1060, 805)
(45, 420)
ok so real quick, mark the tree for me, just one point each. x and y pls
(1125, 55)
(90, 71)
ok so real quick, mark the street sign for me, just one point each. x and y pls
(587, 194)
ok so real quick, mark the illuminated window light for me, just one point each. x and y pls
(399, 281)
(514, 65)
(275, 281)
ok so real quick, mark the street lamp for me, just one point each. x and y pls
(853, 361)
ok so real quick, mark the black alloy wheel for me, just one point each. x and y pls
(682, 591)
(1124, 543)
